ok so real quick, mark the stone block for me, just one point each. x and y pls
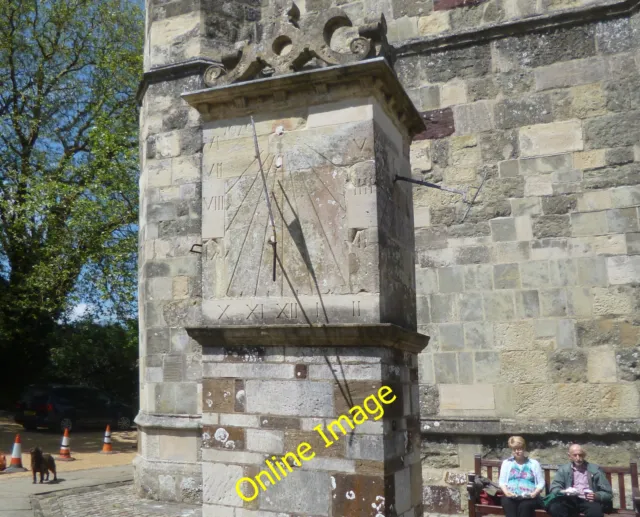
(628, 364)
(509, 168)
(487, 367)
(505, 252)
(499, 306)
(601, 366)
(453, 93)
(466, 397)
(580, 302)
(219, 484)
(473, 255)
(622, 197)
(633, 243)
(450, 279)
(623, 270)
(503, 229)
(523, 367)
(450, 336)
(619, 155)
(420, 157)
(534, 274)
(426, 280)
(592, 271)
(568, 366)
(478, 336)
(592, 201)
(475, 117)
(515, 113)
(589, 223)
(588, 101)
(259, 440)
(434, 23)
(563, 272)
(615, 130)
(285, 497)
(443, 308)
(402, 29)
(566, 334)
(339, 113)
(366, 447)
(302, 398)
(471, 307)
(527, 304)
(478, 277)
(555, 138)
(548, 226)
(506, 276)
(553, 302)
(429, 400)
(445, 367)
(518, 335)
(425, 368)
(611, 302)
(526, 206)
(622, 220)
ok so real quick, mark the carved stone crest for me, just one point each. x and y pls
(291, 45)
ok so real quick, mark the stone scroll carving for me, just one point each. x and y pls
(291, 45)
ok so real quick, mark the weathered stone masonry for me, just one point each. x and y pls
(531, 302)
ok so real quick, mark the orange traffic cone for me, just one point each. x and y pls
(16, 457)
(106, 446)
(65, 452)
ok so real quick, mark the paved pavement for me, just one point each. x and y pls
(105, 492)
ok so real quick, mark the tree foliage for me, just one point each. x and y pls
(68, 166)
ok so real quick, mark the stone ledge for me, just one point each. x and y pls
(164, 421)
(587, 14)
(496, 426)
(373, 77)
(346, 335)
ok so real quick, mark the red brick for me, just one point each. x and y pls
(439, 124)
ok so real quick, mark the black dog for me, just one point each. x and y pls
(42, 463)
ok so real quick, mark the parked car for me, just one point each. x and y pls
(59, 406)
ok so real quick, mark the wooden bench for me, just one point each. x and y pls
(491, 469)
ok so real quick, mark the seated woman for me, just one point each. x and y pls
(521, 480)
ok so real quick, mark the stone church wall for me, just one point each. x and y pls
(531, 298)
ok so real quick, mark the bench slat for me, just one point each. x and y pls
(623, 499)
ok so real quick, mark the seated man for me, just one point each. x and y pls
(585, 487)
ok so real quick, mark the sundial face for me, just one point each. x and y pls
(312, 177)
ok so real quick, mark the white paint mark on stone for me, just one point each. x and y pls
(209, 402)
(221, 435)
(436, 424)
(206, 436)
(230, 444)
(279, 162)
(333, 483)
(240, 396)
(265, 422)
(280, 130)
(351, 495)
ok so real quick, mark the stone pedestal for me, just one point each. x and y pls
(315, 427)
(310, 386)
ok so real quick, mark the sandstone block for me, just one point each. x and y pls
(285, 497)
(506, 276)
(517, 335)
(425, 368)
(615, 130)
(402, 29)
(579, 302)
(555, 138)
(601, 366)
(612, 302)
(434, 23)
(453, 93)
(526, 206)
(588, 101)
(539, 185)
(633, 243)
(503, 229)
(627, 196)
(514, 113)
(478, 277)
(594, 201)
(454, 398)
(426, 281)
(219, 482)
(450, 336)
(443, 308)
(523, 367)
(628, 364)
(622, 220)
(450, 279)
(589, 159)
(265, 441)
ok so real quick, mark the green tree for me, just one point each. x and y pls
(69, 70)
